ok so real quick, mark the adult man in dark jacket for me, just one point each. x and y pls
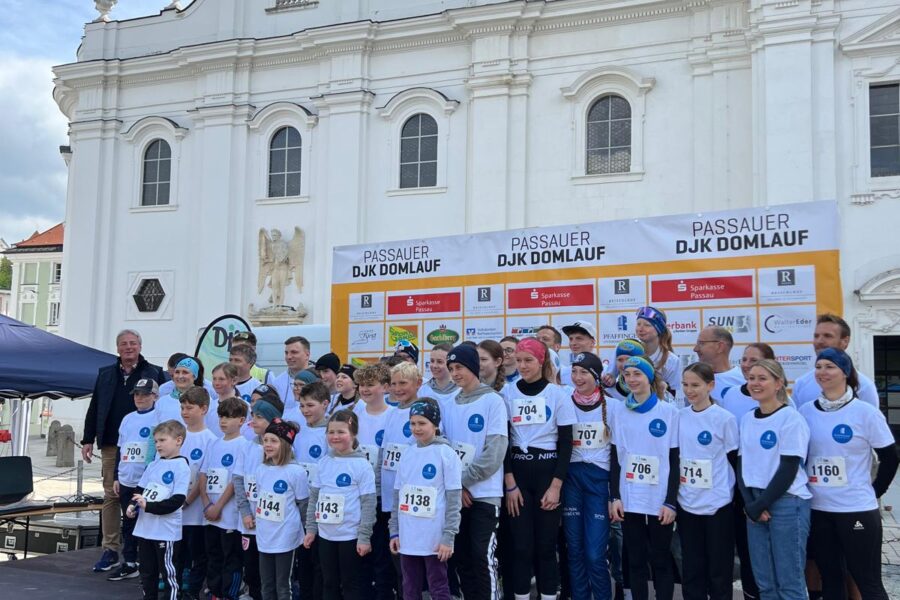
(110, 402)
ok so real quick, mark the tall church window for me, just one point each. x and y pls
(884, 129)
(608, 136)
(285, 151)
(418, 152)
(157, 174)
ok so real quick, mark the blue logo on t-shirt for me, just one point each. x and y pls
(343, 480)
(406, 430)
(476, 423)
(429, 471)
(246, 398)
(315, 451)
(658, 428)
(705, 438)
(196, 454)
(280, 486)
(227, 460)
(547, 411)
(842, 434)
(168, 477)
(768, 440)
(145, 432)
(379, 437)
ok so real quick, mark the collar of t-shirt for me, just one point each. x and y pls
(464, 398)
(445, 389)
(144, 412)
(758, 413)
(745, 390)
(534, 388)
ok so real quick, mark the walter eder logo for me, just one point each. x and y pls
(476, 423)
(145, 432)
(429, 471)
(315, 451)
(196, 454)
(227, 460)
(768, 440)
(168, 477)
(343, 480)
(280, 486)
(842, 434)
(779, 323)
(705, 438)
(658, 428)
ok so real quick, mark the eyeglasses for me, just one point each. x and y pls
(509, 351)
(707, 341)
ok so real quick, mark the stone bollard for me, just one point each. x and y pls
(65, 447)
(51, 438)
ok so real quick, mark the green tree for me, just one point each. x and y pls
(5, 274)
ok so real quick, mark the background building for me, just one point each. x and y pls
(371, 120)
(37, 263)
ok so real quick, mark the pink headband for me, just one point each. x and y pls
(534, 347)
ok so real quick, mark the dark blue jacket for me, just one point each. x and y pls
(112, 383)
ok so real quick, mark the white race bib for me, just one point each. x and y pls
(589, 435)
(134, 452)
(311, 470)
(271, 506)
(642, 469)
(529, 411)
(216, 480)
(250, 488)
(371, 453)
(465, 452)
(418, 501)
(156, 492)
(330, 509)
(828, 471)
(392, 455)
(696, 473)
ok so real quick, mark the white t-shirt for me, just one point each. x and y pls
(807, 389)
(643, 441)
(247, 462)
(467, 426)
(704, 440)
(166, 388)
(535, 419)
(735, 401)
(212, 418)
(295, 416)
(425, 474)
(591, 436)
(284, 385)
(169, 409)
(341, 480)
(671, 372)
(136, 445)
(163, 479)
(764, 440)
(246, 388)
(221, 456)
(427, 391)
(196, 443)
(310, 447)
(397, 436)
(371, 433)
(727, 379)
(840, 455)
(278, 524)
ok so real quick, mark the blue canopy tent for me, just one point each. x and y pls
(38, 364)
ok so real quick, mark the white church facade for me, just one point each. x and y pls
(371, 120)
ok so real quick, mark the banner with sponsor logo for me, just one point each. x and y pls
(762, 273)
(214, 344)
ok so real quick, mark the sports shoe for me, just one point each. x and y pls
(107, 562)
(126, 571)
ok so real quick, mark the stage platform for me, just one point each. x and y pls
(66, 575)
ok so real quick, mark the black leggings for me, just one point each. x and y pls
(842, 542)
(707, 554)
(534, 532)
(648, 543)
(343, 575)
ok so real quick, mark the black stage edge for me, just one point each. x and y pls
(64, 575)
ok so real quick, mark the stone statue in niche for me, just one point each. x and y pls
(280, 264)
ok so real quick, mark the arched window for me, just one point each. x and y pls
(418, 152)
(284, 163)
(609, 136)
(157, 174)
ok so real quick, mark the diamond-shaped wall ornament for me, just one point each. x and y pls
(149, 296)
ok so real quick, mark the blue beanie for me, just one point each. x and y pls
(467, 356)
(642, 364)
(265, 410)
(654, 316)
(428, 408)
(838, 357)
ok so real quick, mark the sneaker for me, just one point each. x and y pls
(126, 571)
(107, 562)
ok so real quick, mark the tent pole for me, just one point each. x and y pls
(20, 414)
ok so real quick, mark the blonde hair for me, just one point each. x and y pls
(774, 368)
(284, 456)
(406, 371)
(172, 428)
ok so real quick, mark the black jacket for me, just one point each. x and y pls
(105, 391)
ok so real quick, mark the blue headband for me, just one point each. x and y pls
(629, 347)
(654, 316)
(839, 358)
(266, 410)
(642, 364)
(191, 365)
(426, 409)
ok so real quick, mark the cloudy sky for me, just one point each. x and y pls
(34, 36)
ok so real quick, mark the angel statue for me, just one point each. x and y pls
(279, 261)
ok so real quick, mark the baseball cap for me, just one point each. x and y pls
(585, 327)
(145, 386)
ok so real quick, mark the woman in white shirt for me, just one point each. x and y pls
(653, 332)
(845, 528)
(774, 441)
